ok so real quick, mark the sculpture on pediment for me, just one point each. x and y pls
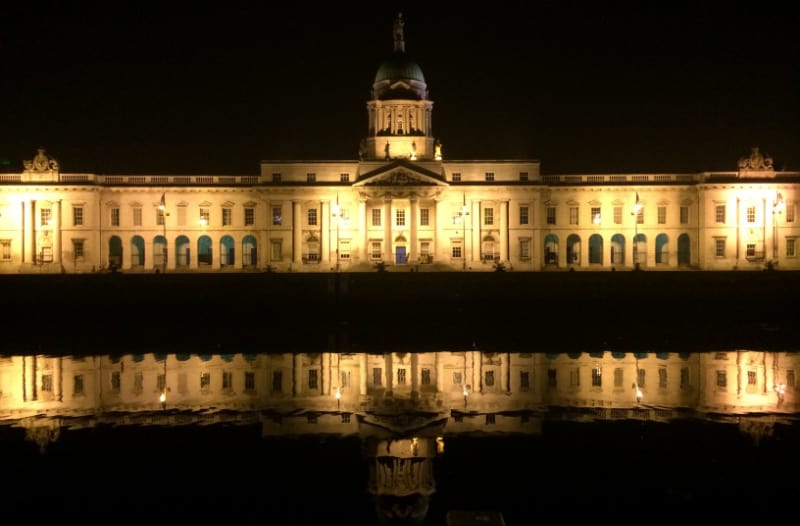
(437, 148)
(362, 149)
(41, 163)
(756, 161)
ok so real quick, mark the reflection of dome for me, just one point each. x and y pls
(406, 510)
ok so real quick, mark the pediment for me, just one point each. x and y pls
(400, 174)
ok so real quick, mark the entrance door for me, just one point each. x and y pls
(400, 255)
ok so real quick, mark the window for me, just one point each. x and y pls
(277, 215)
(551, 215)
(790, 377)
(45, 216)
(524, 380)
(47, 382)
(376, 217)
(400, 217)
(77, 248)
(5, 249)
(77, 384)
(377, 376)
(617, 215)
(490, 418)
(597, 377)
(489, 176)
(488, 379)
(344, 249)
(161, 382)
(311, 177)
(160, 217)
(790, 213)
(115, 216)
(575, 377)
(345, 418)
(618, 377)
(573, 215)
(205, 381)
(684, 215)
(426, 376)
(277, 381)
(375, 251)
(684, 377)
(751, 214)
(456, 250)
(424, 217)
(344, 178)
(524, 248)
(488, 216)
(523, 215)
(401, 376)
(77, 215)
(137, 216)
(249, 216)
(662, 215)
(722, 379)
(750, 251)
(791, 250)
(640, 215)
(456, 377)
(425, 249)
(227, 216)
(523, 176)
(641, 376)
(205, 216)
(662, 377)
(551, 378)
(115, 381)
(227, 380)
(719, 247)
(596, 215)
(312, 216)
(276, 177)
(719, 213)
(456, 177)
(249, 381)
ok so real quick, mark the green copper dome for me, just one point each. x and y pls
(399, 67)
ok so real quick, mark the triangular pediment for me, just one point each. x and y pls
(400, 173)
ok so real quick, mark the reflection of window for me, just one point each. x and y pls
(5, 249)
(597, 377)
(250, 381)
(684, 377)
(426, 377)
(618, 377)
(227, 380)
(751, 250)
(276, 177)
(456, 377)
(401, 376)
(662, 377)
(524, 380)
(488, 378)
(551, 378)
(312, 378)
(377, 376)
(344, 249)
(345, 379)
(115, 381)
(375, 251)
(640, 377)
(47, 382)
(77, 384)
(138, 382)
(722, 379)
(205, 380)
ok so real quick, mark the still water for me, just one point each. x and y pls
(400, 438)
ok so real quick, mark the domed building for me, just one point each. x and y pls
(401, 205)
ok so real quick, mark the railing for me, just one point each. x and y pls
(620, 178)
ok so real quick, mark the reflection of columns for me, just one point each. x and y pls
(29, 378)
(475, 248)
(504, 231)
(388, 374)
(439, 372)
(297, 233)
(324, 386)
(297, 373)
(362, 225)
(504, 372)
(28, 230)
(325, 232)
(58, 379)
(413, 250)
(362, 374)
(414, 372)
(57, 233)
(387, 230)
(476, 371)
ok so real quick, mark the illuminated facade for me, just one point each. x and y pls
(402, 205)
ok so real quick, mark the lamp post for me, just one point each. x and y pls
(163, 208)
(163, 397)
(637, 209)
(337, 217)
(338, 397)
(777, 208)
(460, 219)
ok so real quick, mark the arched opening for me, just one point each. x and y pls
(400, 254)
(662, 249)
(574, 249)
(249, 252)
(227, 255)
(595, 249)
(183, 251)
(160, 252)
(551, 249)
(640, 250)
(684, 250)
(617, 249)
(114, 253)
(137, 251)
(205, 253)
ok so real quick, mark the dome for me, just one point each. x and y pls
(399, 67)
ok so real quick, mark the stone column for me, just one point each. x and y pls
(414, 373)
(475, 248)
(477, 371)
(387, 230)
(388, 372)
(414, 245)
(297, 234)
(362, 224)
(439, 372)
(57, 233)
(362, 374)
(297, 375)
(28, 230)
(504, 373)
(325, 233)
(504, 231)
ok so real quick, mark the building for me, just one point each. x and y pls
(402, 205)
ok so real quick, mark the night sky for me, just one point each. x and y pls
(180, 87)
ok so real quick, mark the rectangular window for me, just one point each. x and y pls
(489, 176)
(751, 214)
(424, 217)
(344, 178)
(115, 216)
(312, 217)
(401, 376)
(456, 177)
(488, 379)
(719, 247)
(138, 382)
(77, 384)
(662, 377)
(425, 249)
(551, 215)
(597, 377)
(750, 251)
(45, 215)
(77, 215)
(491, 418)
(376, 217)
(311, 177)
(456, 250)
(719, 213)
(375, 250)
(456, 377)
(249, 216)
(790, 378)
(524, 380)
(641, 376)
(596, 215)
(684, 215)
(551, 378)
(790, 209)
(161, 382)
(377, 376)
(575, 376)
(617, 215)
(426, 376)
(488, 216)
(523, 215)
(276, 177)
(227, 380)
(77, 247)
(791, 250)
(523, 176)
(277, 215)
(277, 381)
(618, 377)
(205, 216)
(524, 248)
(573, 215)
(249, 381)
(137, 216)
(5, 250)
(662, 215)
(752, 379)
(400, 217)
(205, 380)
(227, 216)
(722, 379)
(640, 215)
(47, 382)
(684, 377)
(160, 217)
(344, 249)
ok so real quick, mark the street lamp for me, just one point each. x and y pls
(163, 397)
(777, 208)
(337, 218)
(460, 219)
(338, 397)
(637, 210)
(163, 209)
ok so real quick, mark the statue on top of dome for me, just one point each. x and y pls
(399, 43)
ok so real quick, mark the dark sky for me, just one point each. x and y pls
(180, 87)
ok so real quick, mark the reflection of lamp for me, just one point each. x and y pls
(777, 208)
(637, 209)
(636, 382)
(163, 397)
(338, 396)
(459, 219)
